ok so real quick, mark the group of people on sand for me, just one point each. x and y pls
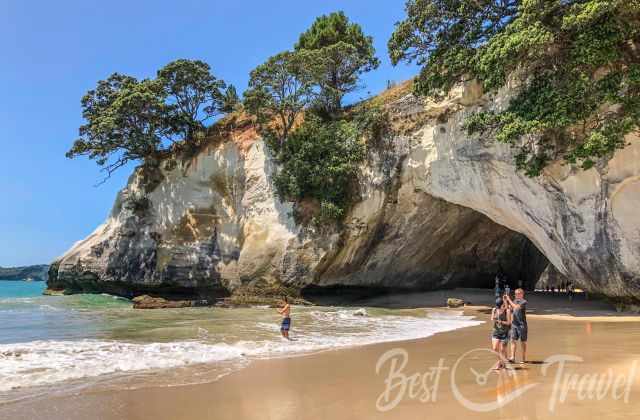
(509, 318)
(563, 287)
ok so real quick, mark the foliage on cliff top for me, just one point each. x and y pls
(326, 64)
(578, 62)
(281, 89)
(296, 98)
(127, 119)
(344, 53)
(320, 161)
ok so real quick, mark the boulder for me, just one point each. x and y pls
(148, 302)
(360, 312)
(455, 303)
(52, 292)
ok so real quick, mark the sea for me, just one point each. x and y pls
(60, 344)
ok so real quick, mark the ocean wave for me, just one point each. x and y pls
(51, 361)
(21, 300)
(447, 314)
(46, 362)
(24, 305)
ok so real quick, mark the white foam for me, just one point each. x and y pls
(23, 300)
(447, 315)
(46, 362)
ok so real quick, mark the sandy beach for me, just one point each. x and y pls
(327, 210)
(583, 365)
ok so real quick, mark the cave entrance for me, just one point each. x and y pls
(441, 247)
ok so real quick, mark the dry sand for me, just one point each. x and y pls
(344, 384)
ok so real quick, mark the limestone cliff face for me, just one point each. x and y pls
(436, 209)
(584, 222)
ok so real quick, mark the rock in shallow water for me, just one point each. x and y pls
(360, 312)
(455, 303)
(51, 292)
(148, 302)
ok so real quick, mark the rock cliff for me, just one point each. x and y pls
(436, 209)
(584, 222)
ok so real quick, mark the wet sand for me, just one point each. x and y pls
(343, 384)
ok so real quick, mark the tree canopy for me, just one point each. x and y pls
(319, 161)
(193, 94)
(124, 117)
(230, 100)
(346, 53)
(577, 62)
(127, 119)
(280, 90)
(444, 36)
(296, 97)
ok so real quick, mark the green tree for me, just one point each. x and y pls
(127, 119)
(280, 90)
(577, 62)
(195, 95)
(297, 99)
(444, 36)
(319, 161)
(346, 53)
(230, 100)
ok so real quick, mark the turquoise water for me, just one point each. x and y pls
(26, 315)
(55, 340)
(21, 288)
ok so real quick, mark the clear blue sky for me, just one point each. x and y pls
(54, 51)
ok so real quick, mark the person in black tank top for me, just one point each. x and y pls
(501, 317)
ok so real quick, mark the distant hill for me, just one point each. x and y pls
(33, 272)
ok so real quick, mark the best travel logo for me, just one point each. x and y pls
(424, 386)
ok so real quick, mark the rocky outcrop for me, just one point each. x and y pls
(455, 303)
(436, 209)
(551, 278)
(215, 225)
(584, 222)
(149, 302)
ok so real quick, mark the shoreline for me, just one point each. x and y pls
(342, 383)
(245, 356)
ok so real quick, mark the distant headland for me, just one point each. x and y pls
(31, 272)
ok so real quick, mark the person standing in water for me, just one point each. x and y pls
(519, 328)
(570, 291)
(285, 311)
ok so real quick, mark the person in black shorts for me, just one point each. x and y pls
(501, 317)
(519, 328)
(285, 311)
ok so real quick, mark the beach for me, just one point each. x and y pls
(583, 366)
(320, 211)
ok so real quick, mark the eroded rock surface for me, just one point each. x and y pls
(437, 209)
(584, 222)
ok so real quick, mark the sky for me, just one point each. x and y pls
(53, 52)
